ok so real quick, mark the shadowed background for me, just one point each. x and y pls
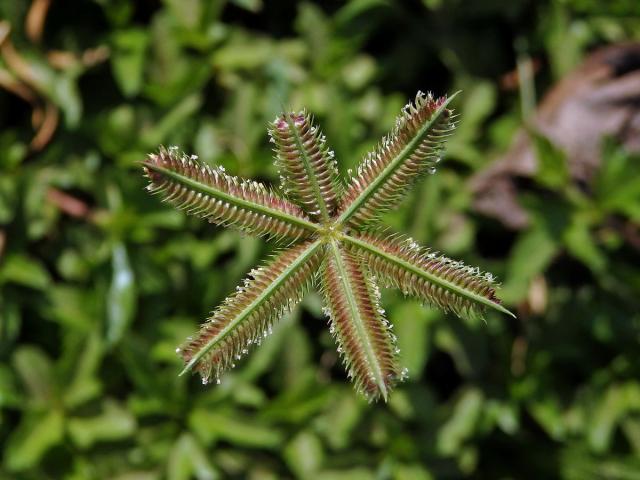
(99, 282)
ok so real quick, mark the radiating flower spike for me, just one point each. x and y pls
(246, 317)
(364, 339)
(211, 193)
(436, 280)
(329, 236)
(413, 148)
(307, 166)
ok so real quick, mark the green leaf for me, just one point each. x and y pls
(213, 426)
(531, 255)
(547, 411)
(85, 383)
(617, 183)
(10, 322)
(412, 472)
(340, 420)
(114, 423)
(25, 271)
(66, 95)
(35, 370)
(462, 423)
(35, 435)
(10, 396)
(576, 463)
(122, 295)
(618, 402)
(631, 428)
(8, 198)
(128, 59)
(477, 103)
(173, 119)
(188, 460)
(250, 5)
(356, 473)
(581, 244)
(358, 73)
(304, 454)
(412, 324)
(552, 171)
(61, 88)
(72, 307)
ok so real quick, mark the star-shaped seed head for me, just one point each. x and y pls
(329, 239)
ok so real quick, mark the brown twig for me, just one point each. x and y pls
(519, 356)
(68, 204)
(34, 23)
(11, 84)
(3, 241)
(47, 127)
(18, 65)
(64, 60)
(22, 81)
(511, 80)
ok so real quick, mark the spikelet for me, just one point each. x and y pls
(247, 316)
(222, 199)
(413, 148)
(307, 168)
(364, 339)
(432, 278)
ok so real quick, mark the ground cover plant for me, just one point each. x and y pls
(100, 281)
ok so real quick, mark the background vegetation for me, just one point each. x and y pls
(99, 282)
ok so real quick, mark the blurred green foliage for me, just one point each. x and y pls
(96, 294)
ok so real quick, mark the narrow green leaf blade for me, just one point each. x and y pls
(114, 423)
(122, 296)
(36, 434)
